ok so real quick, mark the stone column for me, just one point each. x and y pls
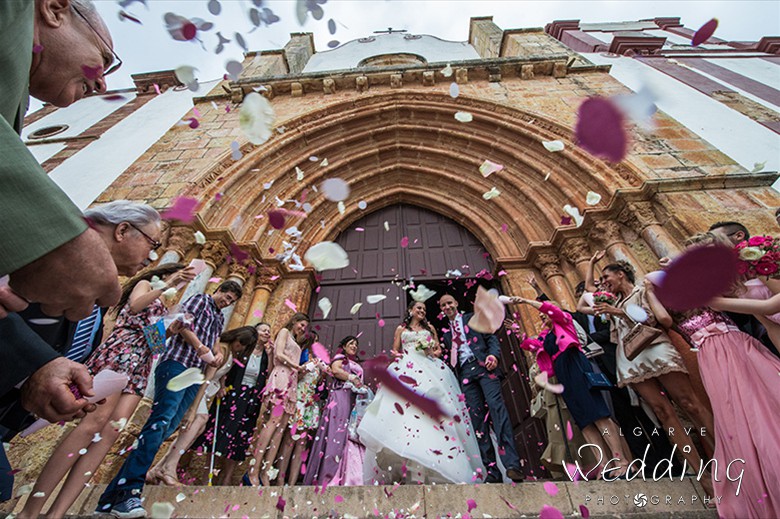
(550, 268)
(577, 252)
(295, 289)
(607, 235)
(514, 283)
(641, 218)
(213, 253)
(266, 281)
(180, 239)
(240, 274)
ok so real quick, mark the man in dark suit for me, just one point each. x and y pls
(474, 358)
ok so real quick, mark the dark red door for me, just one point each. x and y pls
(403, 244)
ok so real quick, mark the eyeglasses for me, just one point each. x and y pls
(109, 68)
(154, 243)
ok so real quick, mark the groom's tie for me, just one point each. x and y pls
(456, 341)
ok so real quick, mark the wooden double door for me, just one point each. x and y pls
(403, 245)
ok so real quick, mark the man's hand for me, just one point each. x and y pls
(491, 362)
(47, 392)
(217, 362)
(71, 279)
(10, 302)
(598, 256)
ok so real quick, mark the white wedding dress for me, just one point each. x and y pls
(410, 446)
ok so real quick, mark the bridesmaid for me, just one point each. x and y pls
(279, 398)
(334, 459)
(658, 370)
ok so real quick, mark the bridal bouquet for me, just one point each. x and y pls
(423, 345)
(758, 256)
(604, 297)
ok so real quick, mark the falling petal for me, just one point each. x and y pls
(183, 210)
(454, 90)
(550, 512)
(362, 205)
(584, 512)
(550, 487)
(464, 117)
(636, 313)
(341, 207)
(491, 194)
(700, 274)
(214, 7)
(335, 189)
(655, 277)
(234, 69)
(600, 129)
(276, 219)
(704, 32)
(326, 255)
(470, 505)
(193, 123)
(355, 308)
(422, 293)
(404, 242)
(180, 497)
(292, 306)
(373, 299)
(241, 42)
(488, 312)
(37, 48)
(186, 74)
(387, 226)
(185, 379)
(553, 145)
(91, 72)
(446, 71)
(592, 198)
(256, 118)
(488, 168)
(200, 239)
(574, 213)
(324, 162)
(325, 306)
(43, 321)
(758, 166)
(332, 26)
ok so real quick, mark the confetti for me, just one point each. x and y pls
(569, 436)
(332, 26)
(335, 189)
(584, 512)
(325, 306)
(193, 123)
(37, 48)
(758, 166)
(327, 255)
(374, 299)
(464, 117)
(92, 72)
(183, 210)
(493, 193)
(188, 377)
(574, 213)
(324, 163)
(44, 321)
(362, 205)
(289, 304)
(422, 293)
(298, 174)
(387, 226)
(256, 118)
(655, 277)
(200, 239)
(471, 505)
(488, 312)
(488, 168)
(320, 352)
(700, 274)
(704, 32)
(550, 512)
(454, 90)
(186, 75)
(162, 510)
(636, 313)
(180, 497)
(276, 219)
(355, 308)
(234, 69)
(592, 198)
(377, 369)
(404, 242)
(553, 145)
(599, 129)
(446, 71)
(280, 504)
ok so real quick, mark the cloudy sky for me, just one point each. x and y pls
(148, 47)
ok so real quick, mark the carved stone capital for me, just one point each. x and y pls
(606, 233)
(240, 271)
(361, 83)
(461, 76)
(549, 265)
(639, 215)
(267, 278)
(576, 250)
(329, 86)
(180, 239)
(214, 252)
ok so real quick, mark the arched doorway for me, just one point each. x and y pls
(399, 244)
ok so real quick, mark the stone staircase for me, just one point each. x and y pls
(662, 499)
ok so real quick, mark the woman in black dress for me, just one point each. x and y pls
(240, 405)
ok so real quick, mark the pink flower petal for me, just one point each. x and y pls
(91, 72)
(124, 16)
(278, 411)
(404, 242)
(377, 368)
(338, 499)
(37, 48)
(600, 129)
(704, 32)
(183, 210)
(551, 488)
(280, 504)
(565, 220)
(550, 512)
(193, 123)
(276, 219)
(510, 505)
(569, 431)
(321, 352)
(237, 253)
(471, 504)
(289, 304)
(693, 279)
(584, 512)
(189, 30)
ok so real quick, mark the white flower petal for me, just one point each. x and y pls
(256, 118)
(341, 207)
(180, 497)
(464, 117)
(454, 90)
(335, 189)
(355, 308)
(488, 168)
(446, 71)
(153, 255)
(162, 511)
(574, 213)
(373, 299)
(185, 74)
(157, 283)
(362, 205)
(758, 166)
(326, 255)
(200, 239)
(298, 174)
(491, 194)
(636, 312)
(553, 145)
(188, 377)
(324, 162)
(592, 198)
(422, 293)
(325, 306)
(387, 226)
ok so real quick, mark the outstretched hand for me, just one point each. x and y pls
(598, 256)
(48, 392)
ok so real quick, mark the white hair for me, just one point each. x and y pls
(88, 9)
(118, 211)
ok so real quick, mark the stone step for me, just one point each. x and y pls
(603, 499)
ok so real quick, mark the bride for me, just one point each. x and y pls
(402, 442)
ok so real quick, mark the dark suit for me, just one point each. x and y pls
(482, 389)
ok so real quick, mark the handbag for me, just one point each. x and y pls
(597, 380)
(592, 350)
(638, 338)
(538, 409)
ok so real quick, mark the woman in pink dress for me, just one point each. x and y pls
(125, 351)
(280, 397)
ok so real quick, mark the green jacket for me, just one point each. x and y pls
(36, 216)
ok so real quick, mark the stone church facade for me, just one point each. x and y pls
(378, 113)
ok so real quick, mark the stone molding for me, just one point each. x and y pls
(214, 252)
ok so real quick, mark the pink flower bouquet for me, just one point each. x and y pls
(759, 256)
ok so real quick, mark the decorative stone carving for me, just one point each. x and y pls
(638, 215)
(296, 89)
(267, 277)
(549, 265)
(267, 91)
(361, 83)
(428, 78)
(576, 250)
(526, 72)
(180, 240)
(559, 69)
(396, 80)
(238, 270)
(214, 252)
(328, 86)
(494, 74)
(461, 75)
(606, 233)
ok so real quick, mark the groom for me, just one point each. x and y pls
(474, 358)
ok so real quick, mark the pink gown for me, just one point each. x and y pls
(741, 378)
